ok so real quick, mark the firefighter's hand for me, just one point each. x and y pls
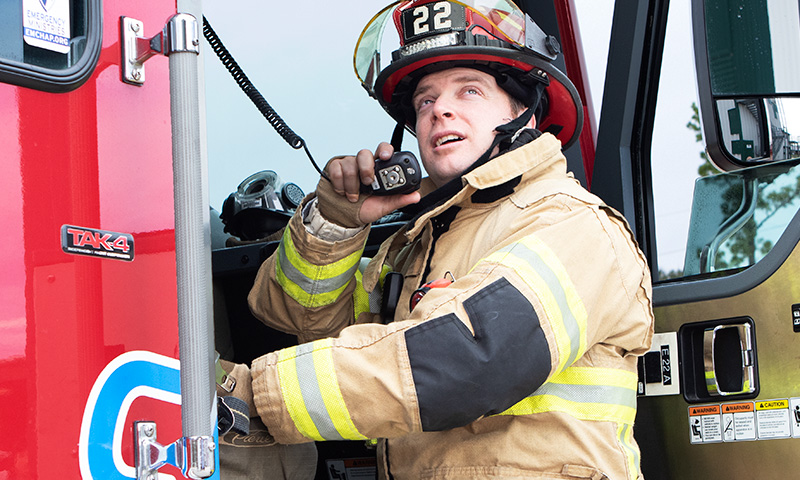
(233, 379)
(341, 200)
(237, 419)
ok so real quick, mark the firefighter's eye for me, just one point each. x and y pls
(423, 102)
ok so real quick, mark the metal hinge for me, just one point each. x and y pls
(194, 456)
(180, 34)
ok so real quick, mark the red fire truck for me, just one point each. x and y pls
(112, 294)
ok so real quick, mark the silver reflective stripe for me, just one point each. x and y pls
(605, 394)
(631, 452)
(547, 274)
(312, 396)
(308, 285)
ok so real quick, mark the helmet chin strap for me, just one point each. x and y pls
(506, 135)
(508, 132)
(397, 136)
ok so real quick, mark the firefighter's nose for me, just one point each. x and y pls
(442, 108)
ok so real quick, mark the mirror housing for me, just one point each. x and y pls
(747, 74)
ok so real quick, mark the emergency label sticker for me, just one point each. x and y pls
(353, 469)
(45, 24)
(96, 243)
(773, 419)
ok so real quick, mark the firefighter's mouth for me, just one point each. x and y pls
(448, 139)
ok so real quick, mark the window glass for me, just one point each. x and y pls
(738, 216)
(677, 153)
(708, 222)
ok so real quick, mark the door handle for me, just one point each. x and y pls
(729, 360)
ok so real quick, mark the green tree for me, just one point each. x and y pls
(706, 168)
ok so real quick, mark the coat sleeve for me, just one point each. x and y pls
(530, 309)
(308, 286)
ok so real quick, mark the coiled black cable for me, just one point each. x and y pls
(293, 139)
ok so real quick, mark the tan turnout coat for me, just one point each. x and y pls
(524, 367)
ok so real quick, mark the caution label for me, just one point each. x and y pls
(772, 419)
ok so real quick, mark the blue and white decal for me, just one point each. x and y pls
(130, 376)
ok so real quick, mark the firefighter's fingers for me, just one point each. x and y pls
(343, 173)
(335, 174)
(384, 151)
(351, 179)
(365, 162)
(375, 207)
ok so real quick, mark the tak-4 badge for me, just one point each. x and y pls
(96, 243)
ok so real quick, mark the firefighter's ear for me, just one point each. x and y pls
(532, 122)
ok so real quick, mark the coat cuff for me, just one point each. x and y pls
(316, 224)
(268, 399)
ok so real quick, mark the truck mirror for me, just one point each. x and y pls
(747, 73)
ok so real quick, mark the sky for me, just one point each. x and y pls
(302, 65)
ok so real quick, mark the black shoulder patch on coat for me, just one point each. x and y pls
(460, 377)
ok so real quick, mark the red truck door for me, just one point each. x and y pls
(88, 322)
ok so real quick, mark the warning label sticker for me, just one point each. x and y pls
(738, 422)
(794, 413)
(705, 424)
(745, 421)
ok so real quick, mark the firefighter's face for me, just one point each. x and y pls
(457, 112)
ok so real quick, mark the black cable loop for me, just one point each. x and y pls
(293, 139)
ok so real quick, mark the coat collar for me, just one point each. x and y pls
(539, 159)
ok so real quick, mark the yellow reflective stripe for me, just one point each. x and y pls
(632, 456)
(309, 284)
(308, 300)
(612, 377)
(331, 393)
(360, 296)
(544, 273)
(292, 396)
(311, 392)
(586, 393)
(364, 301)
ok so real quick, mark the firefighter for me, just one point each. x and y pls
(524, 366)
